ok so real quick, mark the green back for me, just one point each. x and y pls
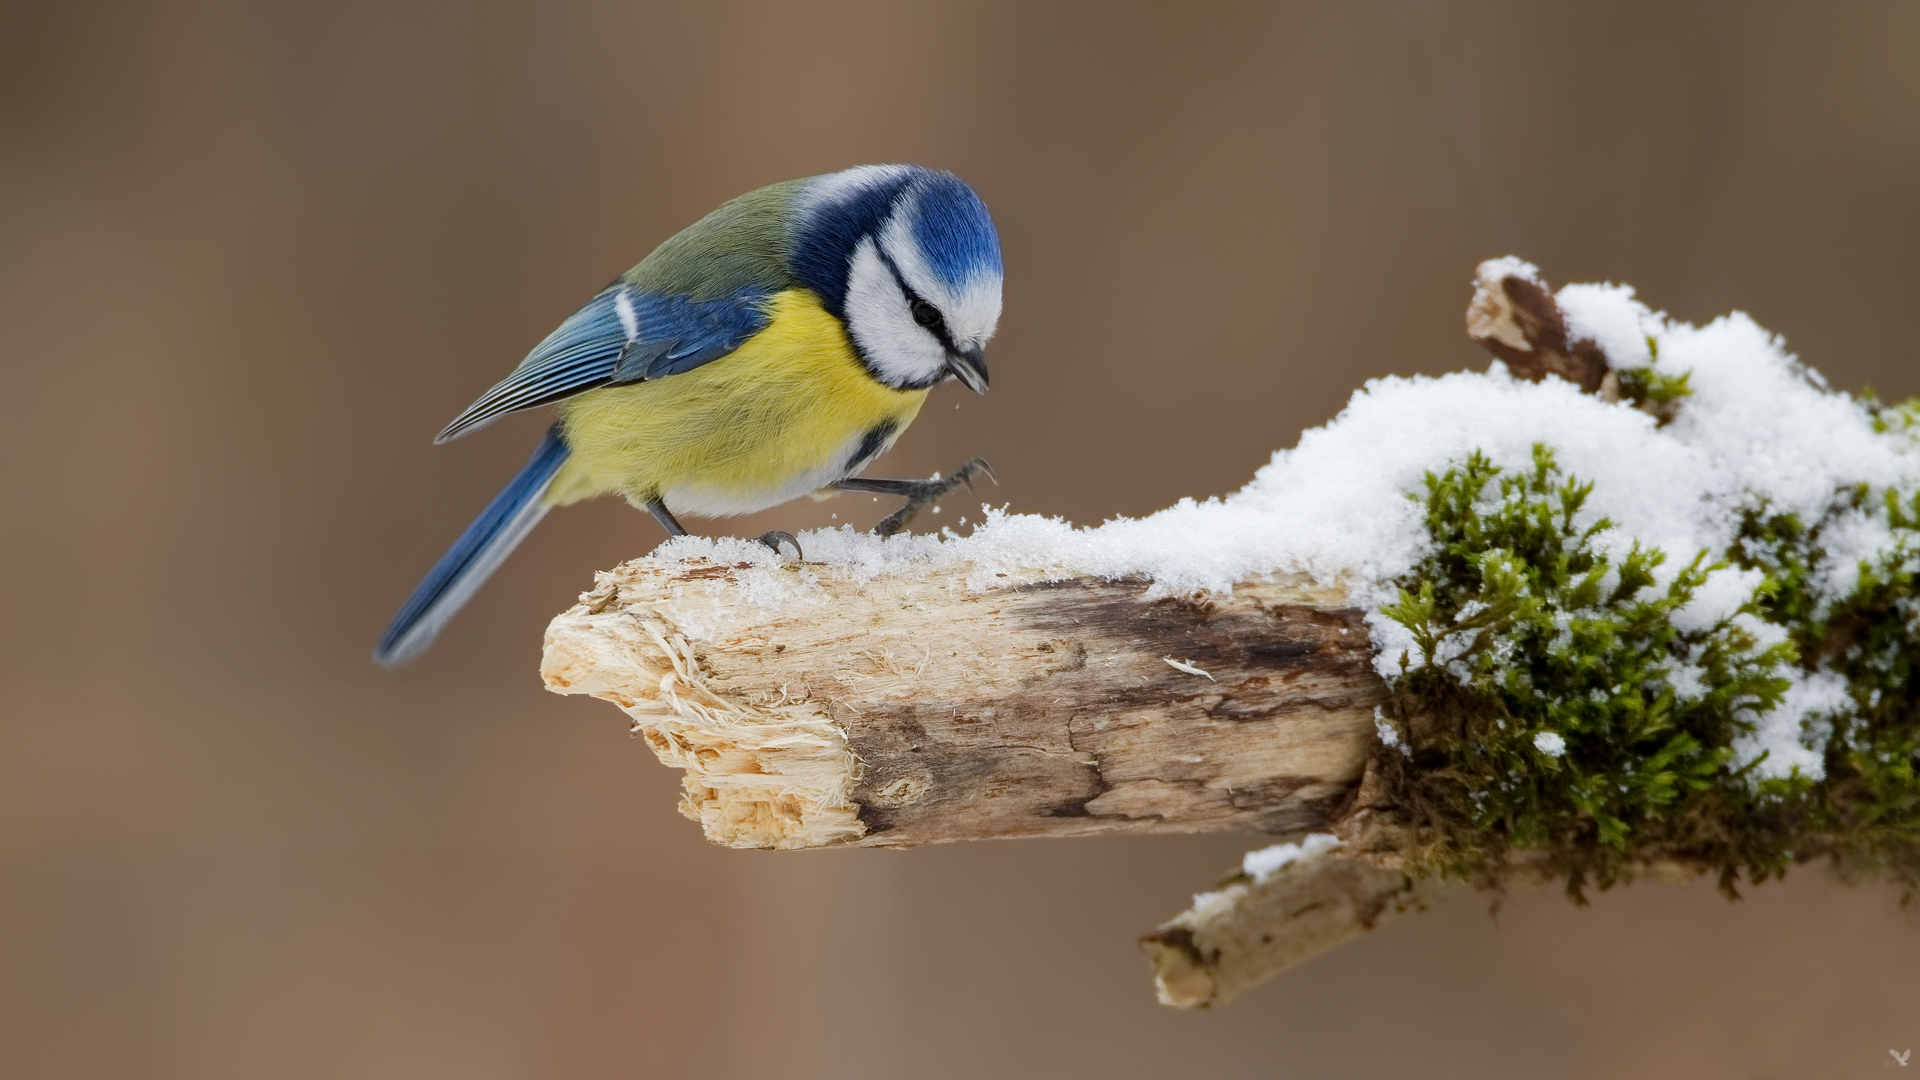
(743, 244)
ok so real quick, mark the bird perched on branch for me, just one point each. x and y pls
(773, 348)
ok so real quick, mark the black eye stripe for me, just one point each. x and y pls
(915, 302)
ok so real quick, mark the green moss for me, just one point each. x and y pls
(1531, 634)
(1866, 813)
(1902, 417)
(1655, 393)
(1644, 386)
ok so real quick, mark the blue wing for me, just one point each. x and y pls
(624, 335)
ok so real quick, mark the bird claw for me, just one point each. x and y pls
(774, 539)
(927, 492)
(974, 467)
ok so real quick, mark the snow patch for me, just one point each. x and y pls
(1791, 733)
(1263, 864)
(1389, 735)
(1608, 316)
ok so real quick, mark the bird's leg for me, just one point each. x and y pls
(919, 493)
(665, 517)
(668, 522)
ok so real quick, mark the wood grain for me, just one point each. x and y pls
(907, 710)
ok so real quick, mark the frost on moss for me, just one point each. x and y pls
(1576, 704)
(1857, 625)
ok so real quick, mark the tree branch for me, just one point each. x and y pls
(819, 707)
(1251, 929)
(906, 710)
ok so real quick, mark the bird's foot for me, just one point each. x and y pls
(774, 539)
(921, 494)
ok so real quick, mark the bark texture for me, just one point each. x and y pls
(1515, 317)
(902, 710)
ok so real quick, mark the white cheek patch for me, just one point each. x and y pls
(900, 350)
(972, 308)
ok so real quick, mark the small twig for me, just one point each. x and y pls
(1250, 929)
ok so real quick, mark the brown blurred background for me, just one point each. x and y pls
(252, 256)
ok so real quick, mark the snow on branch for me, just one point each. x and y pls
(1243, 663)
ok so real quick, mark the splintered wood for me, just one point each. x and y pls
(904, 711)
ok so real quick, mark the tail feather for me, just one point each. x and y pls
(474, 557)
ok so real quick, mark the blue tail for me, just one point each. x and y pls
(474, 557)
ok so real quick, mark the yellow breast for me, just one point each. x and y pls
(777, 418)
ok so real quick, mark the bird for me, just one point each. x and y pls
(772, 349)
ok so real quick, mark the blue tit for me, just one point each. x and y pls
(773, 348)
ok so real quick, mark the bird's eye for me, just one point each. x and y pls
(925, 314)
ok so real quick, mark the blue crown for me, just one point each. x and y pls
(949, 224)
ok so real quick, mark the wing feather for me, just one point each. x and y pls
(625, 334)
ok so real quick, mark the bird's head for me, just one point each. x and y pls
(907, 258)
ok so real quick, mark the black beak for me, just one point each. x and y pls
(969, 367)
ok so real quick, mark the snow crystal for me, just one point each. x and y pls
(1853, 537)
(1689, 683)
(1389, 735)
(1718, 599)
(1790, 733)
(1266, 862)
(1207, 905)
(1608, 316)
(1507, 266)
(1260, 865)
